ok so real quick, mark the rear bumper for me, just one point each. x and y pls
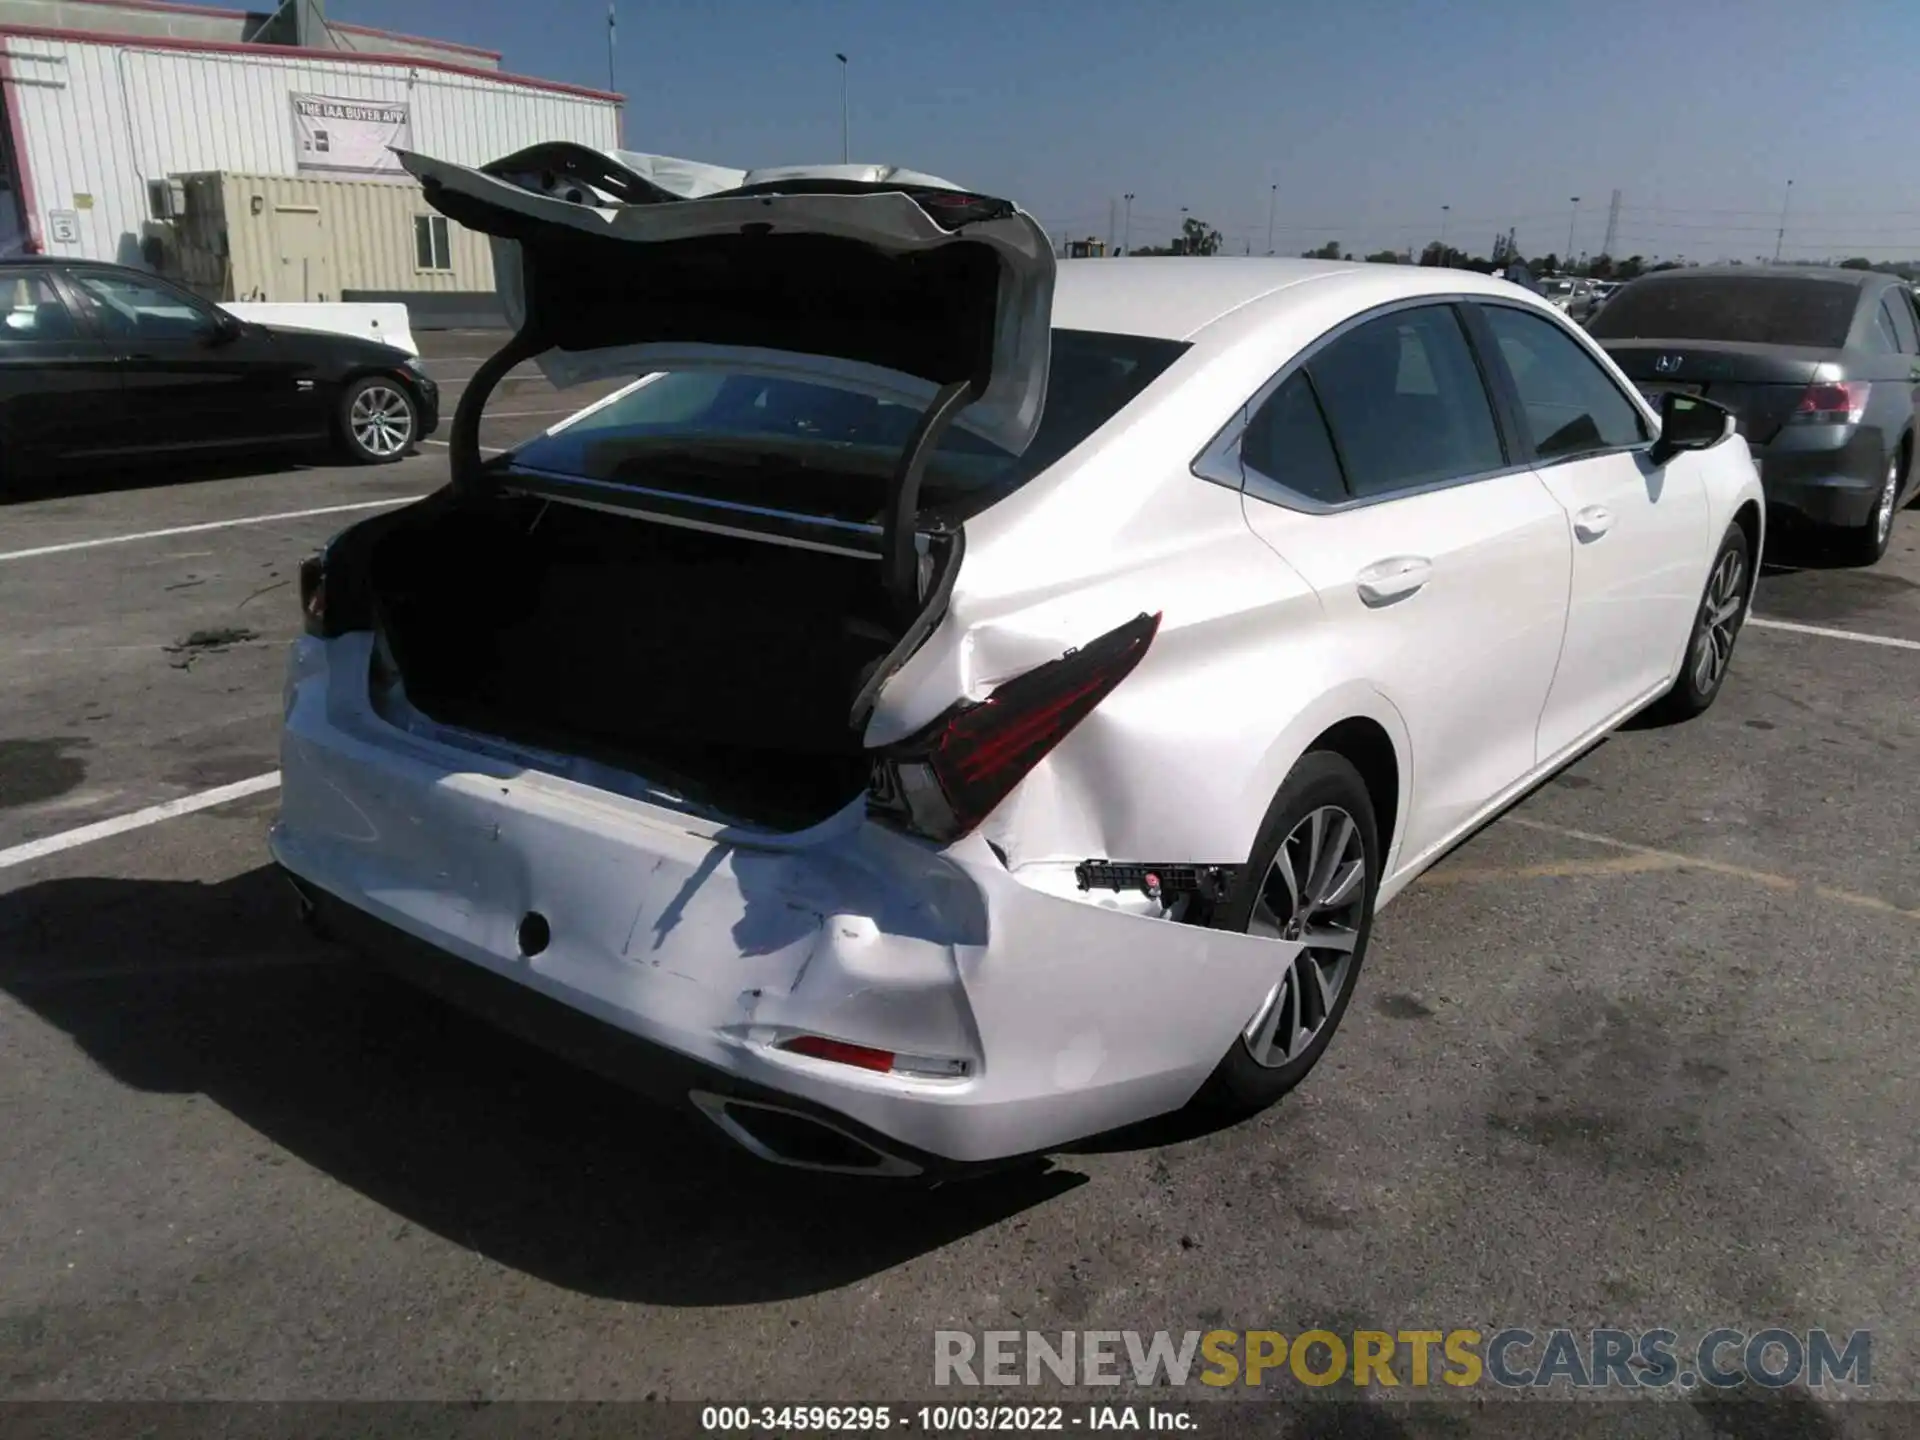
(712, 946)
(1828, 486)
(652, 1071)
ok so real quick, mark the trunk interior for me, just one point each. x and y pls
(719, 667)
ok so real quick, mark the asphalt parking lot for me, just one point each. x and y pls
(1639, 1054)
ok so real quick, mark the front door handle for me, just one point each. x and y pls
(1386, 581)
(1593, 522)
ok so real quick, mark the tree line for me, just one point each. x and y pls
(1197, 237)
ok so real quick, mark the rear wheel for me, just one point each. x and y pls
(1865, 544)
(378, 420)
(1314, 871)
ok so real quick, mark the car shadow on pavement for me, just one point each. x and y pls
(140, 473)
(185, 988)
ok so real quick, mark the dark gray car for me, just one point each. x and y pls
(1820, 366)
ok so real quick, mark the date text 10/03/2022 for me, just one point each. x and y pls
(965, 1419)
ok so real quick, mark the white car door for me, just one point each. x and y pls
(1638, 531)
(1375, 468)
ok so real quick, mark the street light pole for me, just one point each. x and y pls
(1444, 212)
(846, 148)
(1126, 233)
(1183, 231)
(1273, 198)
(1781, 239)
(1571, 224)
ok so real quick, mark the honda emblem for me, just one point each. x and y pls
(1666, 364)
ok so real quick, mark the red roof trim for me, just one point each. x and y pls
(164, 8)
(294, 52)
(454, 45)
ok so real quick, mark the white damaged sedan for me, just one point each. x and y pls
(947, 705)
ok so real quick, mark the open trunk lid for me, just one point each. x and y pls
(1760, 384)
(866, 277)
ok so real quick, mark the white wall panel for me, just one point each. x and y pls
(101, 119)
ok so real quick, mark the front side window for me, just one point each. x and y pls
(818, 449)
(1287, 442)
(133, 308)
(31, 310)
(1572, 407)
(1405, 402)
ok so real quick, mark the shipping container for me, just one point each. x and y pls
(294, 238)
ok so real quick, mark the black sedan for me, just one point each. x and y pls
(101, 362)
(1820, 366)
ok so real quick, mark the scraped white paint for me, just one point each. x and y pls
(137, 820)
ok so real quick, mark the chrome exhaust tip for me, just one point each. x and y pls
(797, 1140)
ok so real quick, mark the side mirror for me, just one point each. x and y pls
(1689, 422)
(226, 329)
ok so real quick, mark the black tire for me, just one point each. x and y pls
(378, 420)
(1243, 1084)
(1865, 544)
(1701, 677)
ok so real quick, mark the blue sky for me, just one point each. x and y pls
(1368, 115)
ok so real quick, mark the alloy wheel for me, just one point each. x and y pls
(1719, 621)
(1315, 894)
(381, 420)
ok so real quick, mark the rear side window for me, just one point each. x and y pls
(1287, 442)
(1744, 309)
(1900, 320)
(1405, 403)
(1884, 336)
(31, 310)
(1572, 406)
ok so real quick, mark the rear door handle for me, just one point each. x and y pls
(1593, 522)
(1394, 579)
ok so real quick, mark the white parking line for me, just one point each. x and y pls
(137, 820)
(207, 525)
(1819, 630)
(444, 445)
(525, 414)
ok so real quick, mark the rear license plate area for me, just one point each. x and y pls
(1654, 389)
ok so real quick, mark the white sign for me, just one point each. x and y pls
(64, 226)
(349, 135)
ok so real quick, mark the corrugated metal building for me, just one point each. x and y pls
(101, 120)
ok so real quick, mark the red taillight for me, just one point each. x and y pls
(313, 594)
(949, 777)
(1833, 402)
(840, 1052)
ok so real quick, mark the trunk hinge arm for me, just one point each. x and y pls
(900, 558)
(463, 446)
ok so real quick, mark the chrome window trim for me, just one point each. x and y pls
(1220, 463)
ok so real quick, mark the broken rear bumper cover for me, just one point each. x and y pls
(1024, 1015)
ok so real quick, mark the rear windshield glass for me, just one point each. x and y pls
(1748, 309)
(822, 450)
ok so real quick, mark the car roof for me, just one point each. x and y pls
(1179, 297)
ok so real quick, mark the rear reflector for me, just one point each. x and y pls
(1833, 402)
(885, 1062)
(840, 1052)
(945, 780)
